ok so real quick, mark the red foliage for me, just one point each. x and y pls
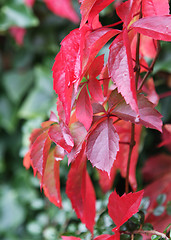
(101, 119)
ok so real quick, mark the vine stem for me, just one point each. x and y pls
(132, 142)
(151, 66)
(131, 146)
(151, 232)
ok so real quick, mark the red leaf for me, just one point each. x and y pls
(94, 85)
(62, 8)
(162, 163)
(84, 111)
(155, 7)
(127, 10)
(94, 41)
(102, 145)
(80, 191)
(166, 137)
(106, 237)
(79, 133)
(148, 115)
(157, 27)
(70, 238)
(18, 34)
(39, 152)
(105, 75)
(29, 3)
(61, 135)
(121, 69)
(27, 160)
(71, 53)
(90, 8)
(106, 181)
(51, 180)
(61, 85)
(122, 208)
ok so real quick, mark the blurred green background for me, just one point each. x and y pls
(26, 99)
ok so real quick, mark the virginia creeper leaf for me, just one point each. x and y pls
(80, 191)
(94, 85)
(106, 237)
(27, 160)
(84, 111)
(39, 152)
(157, 27)
(61, 85)
(70, 238)
(121, 69)
(29, 3)
(94, 41)
(79, 133)
(61, 135)
(62, 8)
(102, 145)
(51, 180)
(148, 115)
(90, 8)
(122, 208)
(155, 7)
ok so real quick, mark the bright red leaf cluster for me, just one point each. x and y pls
(97, 105)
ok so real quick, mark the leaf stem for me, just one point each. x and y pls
(131, 146)
(151, 232)
(151, 66)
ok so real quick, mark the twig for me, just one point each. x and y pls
(131, 146)
(151, 232)
(151, 66)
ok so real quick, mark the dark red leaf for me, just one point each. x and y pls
(124, 207)
(62, 8)
(148, 115)
(155, 7)
(51, 180)
(84, 111)
(39, 152)
(105, 75)
(103, 145)
(121, 69)
(61, 135)
(157, 27)
(166, 137)
(80, 191)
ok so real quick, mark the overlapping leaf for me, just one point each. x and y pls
(90, 8)
(148, 115)
(80, 191)
(121, 69)
(122, 208)
(155, 7)
(103, 145)
(157, 27)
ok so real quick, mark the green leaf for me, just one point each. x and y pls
(17, 15)
(145, 202)
(155, 237)
(17, 84)
(168, 208)
(147, 226)
(158, 210)
(161, 199)
(165, 231)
